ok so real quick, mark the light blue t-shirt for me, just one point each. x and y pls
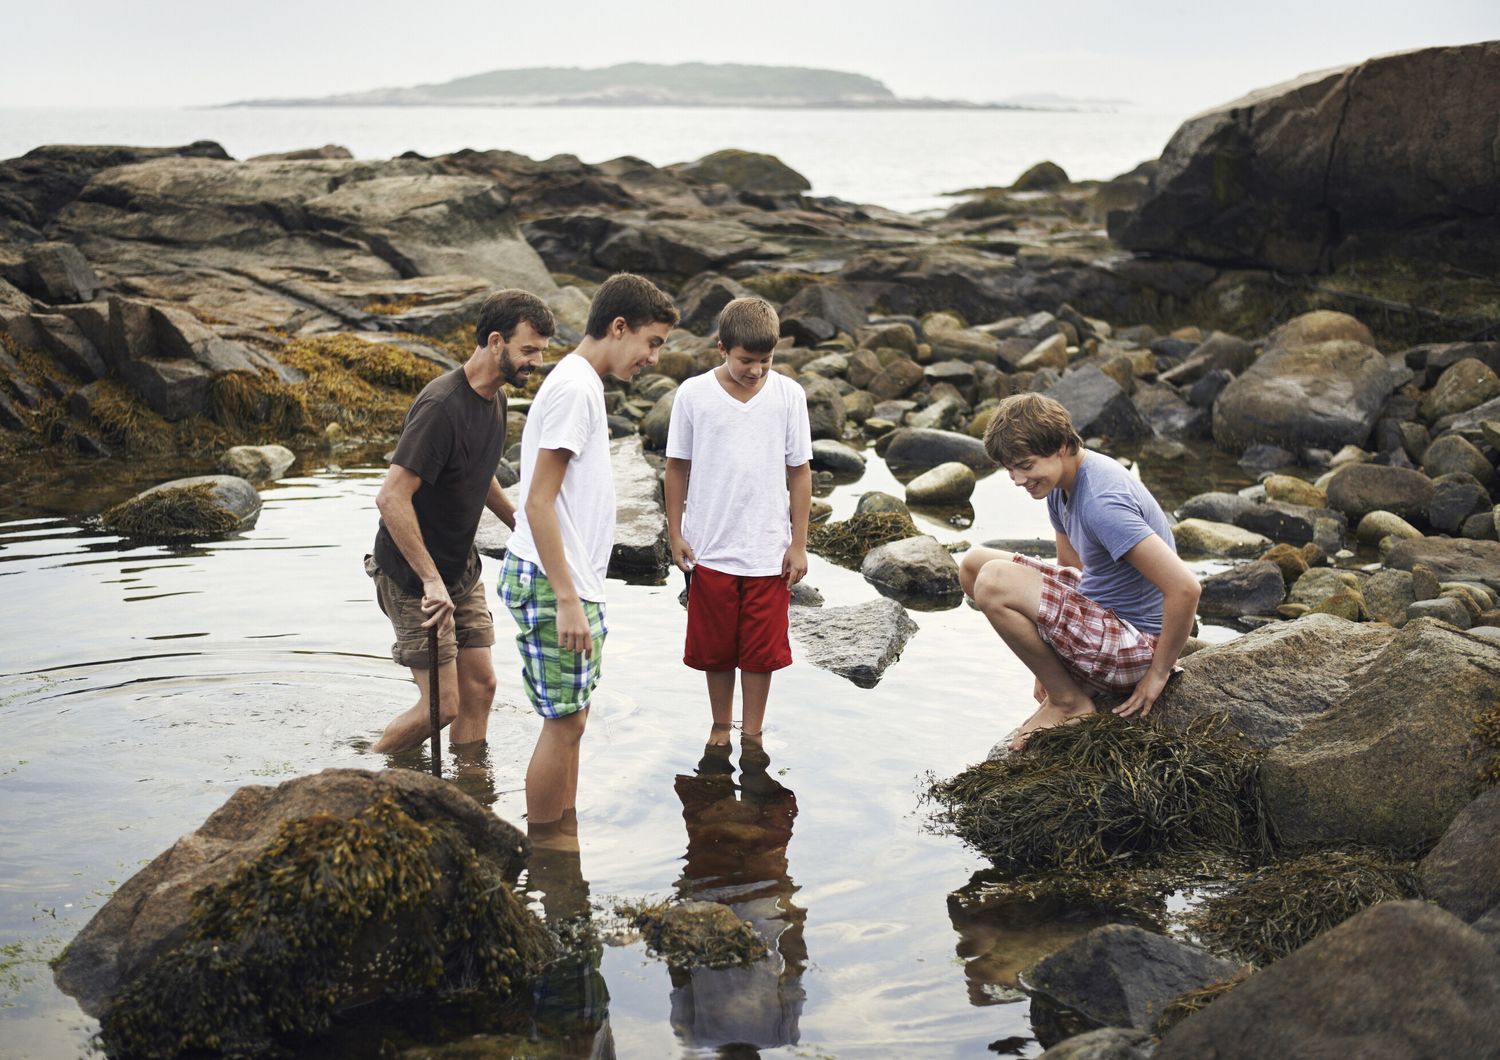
(1107, 515)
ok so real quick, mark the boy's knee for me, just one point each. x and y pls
(993, 585)
(973, 562)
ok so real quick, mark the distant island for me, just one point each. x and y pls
(652, 85)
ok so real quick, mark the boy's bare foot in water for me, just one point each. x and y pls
(1047, 716)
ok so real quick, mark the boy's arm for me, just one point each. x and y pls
(1067, 555)
(799, 484)
(541, 515)
(676, 491)
(1155, 559)
(497, 502)
(400, 518)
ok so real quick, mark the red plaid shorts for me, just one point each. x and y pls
(1098, 647)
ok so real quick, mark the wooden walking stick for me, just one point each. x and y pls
(433, 698)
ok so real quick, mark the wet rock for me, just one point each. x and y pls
(1200, 537)
(913, 448)
(1254, 588)
(1269, 682)
(1105, 1043)
(1455, 497)
(945, 485)
(844, 462)
(1319, 583)
(825, 407)
(1462, 873)
(641, 550)
(1389, 764)
(890, 335)
(1358, 489)
(915, 568)
(1097, 406)
(192, 508)
(1449, 559)
(1115, 976)
(1293, 490)
(1443, 609)
(1168, 415)
(829, 366)
(942, 415)
(257, 463)
(1388, 596)
(1454, 453)
(151, 913)
(655, 427)
(1369, 987)
(1321, 396)
(1215, 507)
(820, 311)
(1051, 352)
(702, 299)
(702, 935)
(1460, 388)
(857, 641)
(876, 501)
(1377, 525)
(895, 380)
(1291, 560)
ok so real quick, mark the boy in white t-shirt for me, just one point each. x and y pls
(738, 456)
(553, 577)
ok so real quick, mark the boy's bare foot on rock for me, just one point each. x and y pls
(1047, 716)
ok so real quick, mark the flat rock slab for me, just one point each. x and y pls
(1451, 559)
(857, 641)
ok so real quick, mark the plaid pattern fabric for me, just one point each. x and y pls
(1099, 648)
(558, 682)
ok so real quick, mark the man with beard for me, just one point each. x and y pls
(426, 569)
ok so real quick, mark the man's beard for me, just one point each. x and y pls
(513, 374)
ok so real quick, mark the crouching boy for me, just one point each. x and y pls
(1116, 611)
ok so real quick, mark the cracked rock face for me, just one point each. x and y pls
(1394, 155)
(858, 641)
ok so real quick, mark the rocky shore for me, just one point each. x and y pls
(1284, 285)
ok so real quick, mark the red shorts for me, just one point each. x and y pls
(737, 622)
(1099, 648)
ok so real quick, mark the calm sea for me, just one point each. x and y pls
(902, 159)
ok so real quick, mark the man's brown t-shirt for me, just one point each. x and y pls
(453, 440)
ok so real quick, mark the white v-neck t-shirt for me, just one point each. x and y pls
(738, 513)
(568, 413)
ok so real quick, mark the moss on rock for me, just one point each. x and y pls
(847, 542)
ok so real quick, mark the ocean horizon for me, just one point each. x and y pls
(901, 159)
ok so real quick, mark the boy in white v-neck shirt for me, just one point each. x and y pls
(738, 490)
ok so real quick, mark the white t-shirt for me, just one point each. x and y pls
(568, 413)
(738, 514)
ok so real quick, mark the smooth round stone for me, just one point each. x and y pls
(876, 501)
(257, 463)
(946, 484)
(1381, 524)
(1218, 539)
(1293, 490)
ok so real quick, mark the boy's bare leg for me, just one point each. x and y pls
(552, 776)
(1010, 595)
(413, 725)
(476, 695)
(755, 689)
(721, 695)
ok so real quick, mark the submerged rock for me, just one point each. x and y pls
(857, 641)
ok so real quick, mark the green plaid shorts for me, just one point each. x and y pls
(558, 682)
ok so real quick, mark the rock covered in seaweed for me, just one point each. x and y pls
(187, 509)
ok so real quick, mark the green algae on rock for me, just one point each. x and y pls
(847, 542)
(696, 934)
(335, 913)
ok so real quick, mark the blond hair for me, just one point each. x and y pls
(1029, 425)
(751, 324)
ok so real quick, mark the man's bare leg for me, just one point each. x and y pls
(721, 695)
(755, 689)
(1010, 595)
(414, 725)
(552, 776)
(476, 695)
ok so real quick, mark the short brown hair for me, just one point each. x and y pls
(506, 310)
(751, 324)
(633, 297)
(1029, 425)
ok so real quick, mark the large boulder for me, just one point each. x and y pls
(702, 299)
(1097, 406)
(858, 641)
(1204, 538)
(1399, 980)
(914, 569)
(1358, 489)
(1115, 976)
(1392, 157)
(151, 914)
(1450, 559)
(919, 448)
(1271, 681)
(825, 407)
(187, 509)
(1323, 396)
(1462, 873)
(1393, 761)
(820, 311)
(1254, 588)
(746, 171)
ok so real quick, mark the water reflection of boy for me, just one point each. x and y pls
(737, 855)
(570, 1001)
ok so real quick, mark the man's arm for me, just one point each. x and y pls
(799, 485)
(497, 502)
(676, 497)
(1067, 555)
(541, 515)
(400, 518)
(1155, 559)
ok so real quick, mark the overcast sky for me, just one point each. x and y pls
(1161, 54)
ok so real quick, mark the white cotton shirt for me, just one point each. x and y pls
(738, 513)
(568, 413)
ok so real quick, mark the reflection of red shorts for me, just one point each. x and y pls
(735, 621)
(1098, 647)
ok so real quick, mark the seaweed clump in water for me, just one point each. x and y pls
(696, 934)
(336, 912)
(847, 542)
(1106, 793)
(1281, 906)
(177, 514)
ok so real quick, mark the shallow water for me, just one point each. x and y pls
(141, 685)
